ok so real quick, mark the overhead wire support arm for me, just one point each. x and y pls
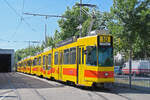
(44, 15)
(32, 41)
(88, 5)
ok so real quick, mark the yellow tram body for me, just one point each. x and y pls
(19, 66)
(48, 69)
(34, 67)
(37, 67)
(22, 66)
(29, 64)
(85, 61)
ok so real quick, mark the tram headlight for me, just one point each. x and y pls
(106, 74)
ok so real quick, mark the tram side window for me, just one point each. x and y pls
(66, 56)
(72, 55)
(61, 58)
(82, 55)
(31, 63)
(79, 55)
(49, 59)
(56, 58)
(91, 58)
(24, 64)
(35, 62)
(44, 60)
(28, 63)
(39, 60)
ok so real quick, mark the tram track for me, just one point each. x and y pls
(12, 87)
(34, 91)
(98, 93)
(117, 93)
(127, 98)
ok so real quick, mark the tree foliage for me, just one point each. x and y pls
(68, 26)
(130, 25)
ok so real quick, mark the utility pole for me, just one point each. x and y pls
(45, 32)
(80, 18)
(46, 17)
(29, 49)
(30, 44)
(130, 68)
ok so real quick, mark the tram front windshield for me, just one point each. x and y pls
(105, 56)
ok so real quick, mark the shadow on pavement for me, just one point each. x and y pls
(115, 90)
(15, 81)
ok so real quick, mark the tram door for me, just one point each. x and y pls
(60, 65)
(80, 65)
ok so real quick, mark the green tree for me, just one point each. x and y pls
(131, 25)
(68, 26)
(52, 40)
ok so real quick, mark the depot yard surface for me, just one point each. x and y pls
(18, 86)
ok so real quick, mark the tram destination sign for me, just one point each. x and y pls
(104, 40)
(105, 44)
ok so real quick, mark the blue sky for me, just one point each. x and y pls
(12, 28)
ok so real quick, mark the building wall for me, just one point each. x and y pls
(11, 52)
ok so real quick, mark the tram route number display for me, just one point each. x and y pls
(105, 40)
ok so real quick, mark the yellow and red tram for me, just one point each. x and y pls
(84, 61)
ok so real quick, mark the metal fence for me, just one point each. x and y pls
(140, 81)
(135, 81)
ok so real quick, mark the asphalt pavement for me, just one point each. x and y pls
(19, 86)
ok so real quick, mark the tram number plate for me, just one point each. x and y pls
(105, 40)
